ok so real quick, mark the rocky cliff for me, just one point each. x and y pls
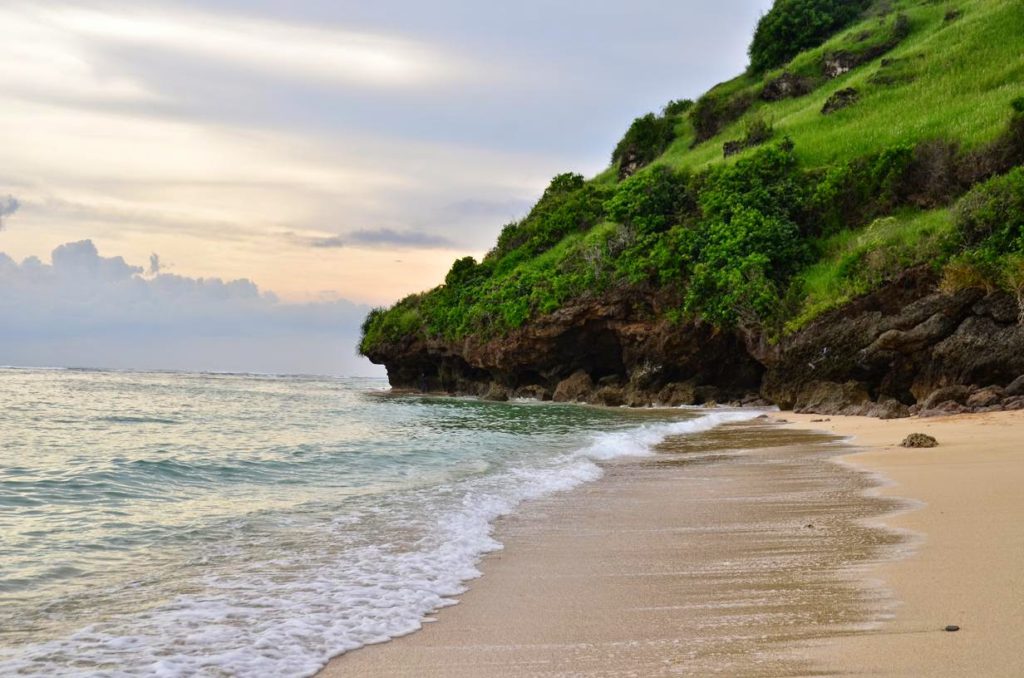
(871, 154)
(904, 349)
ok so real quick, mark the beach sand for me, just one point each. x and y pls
(749, 552)
(968, 570)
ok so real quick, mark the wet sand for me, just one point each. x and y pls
(731, 553)
(969, 568)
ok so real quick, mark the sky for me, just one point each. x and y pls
(232, 184)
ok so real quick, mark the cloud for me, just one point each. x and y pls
(384, 238)
(85, 309)
(81, 261)
(222, 124)
(154, 264)
(285, 49)
(8, 206)
(330, 242)
(507, 210)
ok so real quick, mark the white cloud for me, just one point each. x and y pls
(84, 309)
(54, 45)
(211, 131)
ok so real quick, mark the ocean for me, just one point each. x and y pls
(178, 524)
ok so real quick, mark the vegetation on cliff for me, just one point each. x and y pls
(889, 142)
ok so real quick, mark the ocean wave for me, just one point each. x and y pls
(288, 615)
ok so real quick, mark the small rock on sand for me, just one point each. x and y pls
(919, 440)
(951, 628)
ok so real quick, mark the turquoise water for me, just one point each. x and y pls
(205, 524)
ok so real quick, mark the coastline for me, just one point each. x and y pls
(726, 552)
(542, 608)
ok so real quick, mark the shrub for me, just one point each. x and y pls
(713, 112)
(855, 192)
(740, 264)
(991, 215)
(1013, 275)
(758, 131)
(970, 270)
(569, 205)
(646, 139)
(749, 241)
(463, 271)
(677, 107)
(652, 200)
(791, 26)
(403, 320)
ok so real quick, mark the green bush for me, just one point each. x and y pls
(645, 140)
(991, 215)
(749, 243)
(712, 112)
(652, 200)
(381, 326)
(853, 193)
(569, 205)
(791, 26)
(677, 107)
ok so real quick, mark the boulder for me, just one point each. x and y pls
(829, 397)
(944, 409)
(986, 397)
(707, 393)
(1016, 387)
(1015, 403)
(533, 391)
(611, 396)
(957, 394)
(497, 393)
(786, 86)
(888, 408)
(840, 100)
(574, 388)
(730, 148)
(678, 393)
(919, 440)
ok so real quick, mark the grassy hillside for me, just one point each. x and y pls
(786, 191)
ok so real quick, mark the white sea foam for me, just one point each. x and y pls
(289, 616)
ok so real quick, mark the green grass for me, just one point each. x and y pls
(970, 70)
(856, 261)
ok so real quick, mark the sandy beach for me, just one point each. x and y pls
(969, 568)
(751, 552)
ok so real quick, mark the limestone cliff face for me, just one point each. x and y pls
(902, 349)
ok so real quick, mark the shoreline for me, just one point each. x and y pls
(959, 569)
(727, 551)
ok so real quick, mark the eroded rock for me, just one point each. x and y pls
(576, 388)
(786, 86)
(829, 397)
(1016, 387)
(888, 408)
(901, 347)
(919, 440)
(840, 100)
(986, 397)
(497, 393)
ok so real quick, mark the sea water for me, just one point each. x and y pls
(179, 524)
